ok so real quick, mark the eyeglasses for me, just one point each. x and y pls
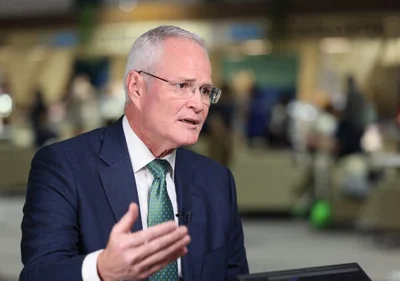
(209, 94)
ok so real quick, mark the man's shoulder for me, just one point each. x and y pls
(85, 143)
(201, 161)
(216, 179)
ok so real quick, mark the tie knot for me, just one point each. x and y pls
(158, 167)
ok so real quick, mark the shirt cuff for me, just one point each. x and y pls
(89, 267)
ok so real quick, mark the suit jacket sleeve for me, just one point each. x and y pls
(237, 260)
(50, 229)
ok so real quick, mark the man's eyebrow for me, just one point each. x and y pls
(185, 79)
(192, 80)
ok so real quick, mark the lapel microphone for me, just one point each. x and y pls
(185, 217)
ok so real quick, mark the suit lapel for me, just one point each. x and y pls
(191, 200)
(117, 175)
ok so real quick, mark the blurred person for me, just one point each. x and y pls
(326, 125)
(40, 121)
(256, 116)
(323, 135)
(354, 120)
(278, 127)
(357, 110)
(242, 83)
(302, 119)
(83, 106)
(112, 103)
(316, 182)
(356, 116)
(348, 138)
(38, 108)
(220, 119)
(58, 116)
(101, 206)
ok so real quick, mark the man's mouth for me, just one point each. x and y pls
(190, 121)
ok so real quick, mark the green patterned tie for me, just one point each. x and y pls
(160, 210)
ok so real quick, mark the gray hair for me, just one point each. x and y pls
(146, 50)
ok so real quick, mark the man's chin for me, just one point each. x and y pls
(192, 140)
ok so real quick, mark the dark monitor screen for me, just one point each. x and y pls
(344, 272)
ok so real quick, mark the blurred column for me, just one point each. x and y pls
(216, 57)
(56, 71)
(24, 61)
(117, 68)
(308, 69)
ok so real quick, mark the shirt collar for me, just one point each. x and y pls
(139, 153)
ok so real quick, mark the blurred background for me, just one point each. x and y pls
(308, 120)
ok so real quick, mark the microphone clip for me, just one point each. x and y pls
(185, 217)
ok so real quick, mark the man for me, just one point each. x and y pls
(79, 220)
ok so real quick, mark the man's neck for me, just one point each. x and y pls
(156, 150)
(165, 153)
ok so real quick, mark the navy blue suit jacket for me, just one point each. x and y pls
(79, 188)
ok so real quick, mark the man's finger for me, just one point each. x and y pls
(141, 237)
(172, 251)
(159, 244)
(154, 268)
(125, 224)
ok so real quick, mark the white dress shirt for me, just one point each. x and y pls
(140, 156)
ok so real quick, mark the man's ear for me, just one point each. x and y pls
(135, 86)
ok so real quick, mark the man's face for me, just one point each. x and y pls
(167, 118)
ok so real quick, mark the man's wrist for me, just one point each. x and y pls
(100, 268)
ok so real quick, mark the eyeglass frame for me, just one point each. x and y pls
(214, 90)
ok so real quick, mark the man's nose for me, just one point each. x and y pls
(196, 101)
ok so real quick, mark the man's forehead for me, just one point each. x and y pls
(183, 60)
(183, 74)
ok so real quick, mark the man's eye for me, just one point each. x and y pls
(205, 90)
(182, 85)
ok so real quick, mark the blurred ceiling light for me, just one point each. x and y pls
(127, 5)
(257, 47)
(337, 45)
(5, 105)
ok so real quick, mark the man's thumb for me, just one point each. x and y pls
(126, 222)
